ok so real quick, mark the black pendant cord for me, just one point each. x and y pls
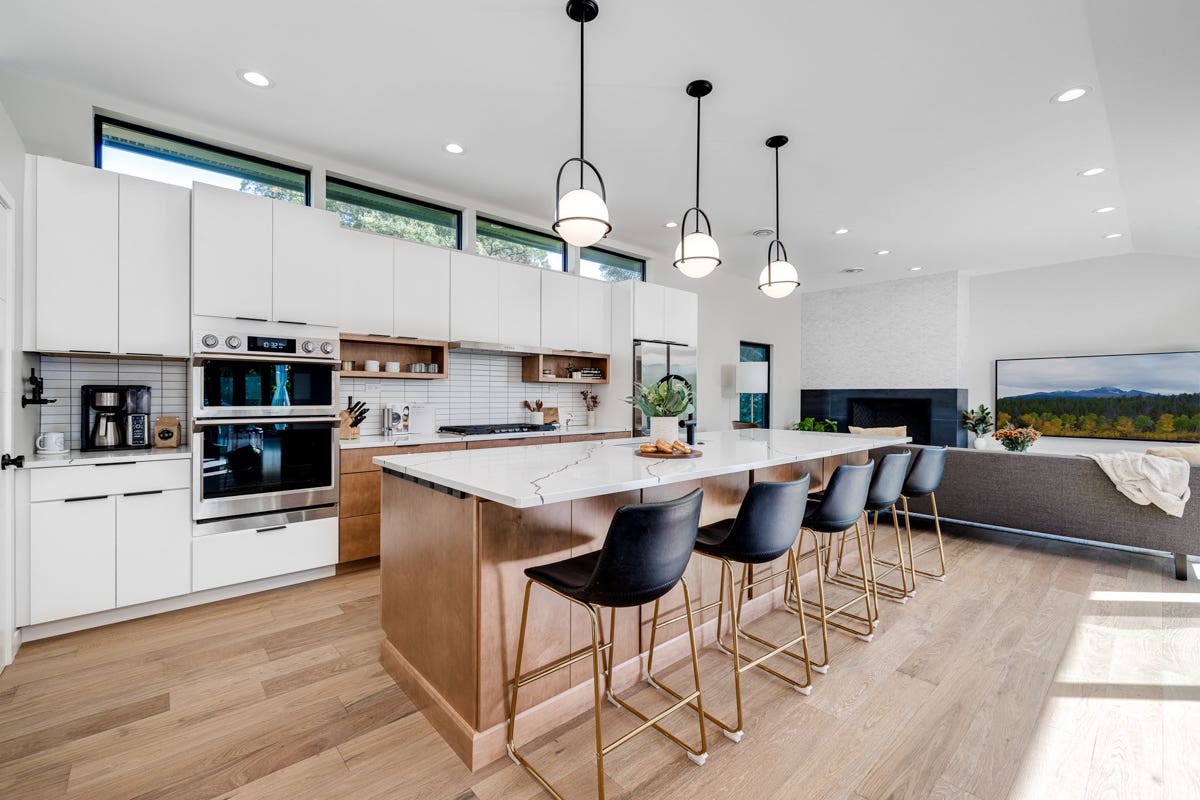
(698, 99)
(777, 195)
(582, 22)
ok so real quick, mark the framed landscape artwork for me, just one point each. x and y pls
(1148, 396)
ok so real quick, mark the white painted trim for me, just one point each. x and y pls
(59, 627)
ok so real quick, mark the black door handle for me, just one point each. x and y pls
(7, 461)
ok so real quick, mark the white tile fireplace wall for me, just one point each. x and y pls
(481, 388)
(65, 376)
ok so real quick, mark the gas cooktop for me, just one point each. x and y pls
(484, 430)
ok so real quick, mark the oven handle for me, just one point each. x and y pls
(197, 424)
(267, 358)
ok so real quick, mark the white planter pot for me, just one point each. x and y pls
(665, 428)
(981, 443)
(537, 418)
(591, 419)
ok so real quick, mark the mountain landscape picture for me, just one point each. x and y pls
(1152, 396)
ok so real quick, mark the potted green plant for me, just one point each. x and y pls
(814, 424)
(978, 422)
(663, 402)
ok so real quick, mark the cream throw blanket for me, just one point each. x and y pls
(1148, 479)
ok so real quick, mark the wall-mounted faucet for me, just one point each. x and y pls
(38, 385)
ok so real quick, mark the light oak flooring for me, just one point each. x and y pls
(1038, 670)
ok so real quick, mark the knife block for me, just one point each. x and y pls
(344, 429)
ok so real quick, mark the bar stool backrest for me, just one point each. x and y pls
(926, 473)
(645, 552)
(845, 498)
(888, 481)
(767, 522)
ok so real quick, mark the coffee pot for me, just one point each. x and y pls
(106, 432)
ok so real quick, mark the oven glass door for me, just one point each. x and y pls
(263, 386)
(265, 457)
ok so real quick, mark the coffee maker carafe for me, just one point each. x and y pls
(114, 417)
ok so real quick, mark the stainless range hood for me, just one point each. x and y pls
(499, 349)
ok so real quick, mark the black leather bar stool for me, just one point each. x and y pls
(766, 527)
(643, 557)
(923, 481)
(839, 510)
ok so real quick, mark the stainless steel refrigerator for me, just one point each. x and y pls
(653, 361)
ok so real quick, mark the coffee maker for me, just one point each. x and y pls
(114, 417)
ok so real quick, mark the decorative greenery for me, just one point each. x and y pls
(1016, 440)
(667, 398)
(590, 400)
(978, 422)
(813, 424)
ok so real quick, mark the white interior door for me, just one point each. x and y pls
(8, 625)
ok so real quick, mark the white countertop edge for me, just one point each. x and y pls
(78, 458)
(413, 440)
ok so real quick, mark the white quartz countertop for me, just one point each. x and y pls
(523, 477)
(412, 440)
(76, 458)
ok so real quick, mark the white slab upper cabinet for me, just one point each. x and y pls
(364, 262)
(154, 268)
(304, 287)
(595, 315)
(422, 291)
(76, 245)
(663, 314)
(72, 557)
(560, 310)
(520, 304)
(154, 546)
(474, 304)
(231, 253)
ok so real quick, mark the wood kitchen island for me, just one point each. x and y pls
(459, 528)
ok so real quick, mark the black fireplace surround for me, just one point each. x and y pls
(932, 416)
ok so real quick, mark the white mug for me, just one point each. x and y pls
(392, 366)
(51, 442)
(371, 366)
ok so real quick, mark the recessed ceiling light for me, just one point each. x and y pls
(254, 78)
(1105, 210)
(914, 269)
(1074, 93)
(454, 148)
(671, 224)
(1090, 172)
(882, 252)
(763, 233)
(852, 270)
(1113, 235)
(841, 231)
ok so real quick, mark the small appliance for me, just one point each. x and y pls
(114, 417)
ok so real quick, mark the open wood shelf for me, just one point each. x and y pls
(359, 349)
(532, 366)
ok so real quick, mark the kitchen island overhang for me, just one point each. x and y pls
(460, 528)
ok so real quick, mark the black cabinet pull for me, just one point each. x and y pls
(252, 319)
(115, 464)
(272, 528)
(140, 494)
(85, 499)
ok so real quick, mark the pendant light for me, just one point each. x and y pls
(778, 278)
(581, 215)
(697, 254)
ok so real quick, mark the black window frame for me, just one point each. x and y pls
(363, 187)
(613, 253)
(534, 231)
(770, 351)
(100, 120)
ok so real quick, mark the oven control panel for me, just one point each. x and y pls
(265, 346)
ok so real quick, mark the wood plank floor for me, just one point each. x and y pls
(1040, 669)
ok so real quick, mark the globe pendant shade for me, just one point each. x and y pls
(582, 218)
(702, 255)
(778, 279)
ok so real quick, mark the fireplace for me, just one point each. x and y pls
(932, 416)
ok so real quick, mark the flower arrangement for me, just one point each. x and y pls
(814, 424)
(1016, 440)
(590, 400)
(667, 398)
(979, 421)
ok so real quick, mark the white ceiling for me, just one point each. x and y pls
(924, 126)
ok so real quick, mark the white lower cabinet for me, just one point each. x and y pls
(154, 546)
(72, 557)
(222, 559)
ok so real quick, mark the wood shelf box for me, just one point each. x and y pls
(556, 362)
(360, 349)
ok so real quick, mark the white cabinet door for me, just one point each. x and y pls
(595, 315)
(231, 253)
(560, 310)
(154, 546)
(422, 297)
(520, 305)
(649, 306)
(305, 286)
(363, 262)
(474, 308)
(76, 233)
(72, 558)
(154, 268)
(681, 314)
(222, 559)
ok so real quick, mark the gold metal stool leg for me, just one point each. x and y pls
(890, 591)
(939, 547)
(796, 606)
(826, 614)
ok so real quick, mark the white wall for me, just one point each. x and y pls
(1121, 304)
(901, 334)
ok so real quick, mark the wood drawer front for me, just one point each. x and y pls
(359, 494)
(358, 537)
(521, 442)
(358, 459)
(222, 559)
(99, 480)
(593, 437)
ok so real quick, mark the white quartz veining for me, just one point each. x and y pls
(529, 476)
